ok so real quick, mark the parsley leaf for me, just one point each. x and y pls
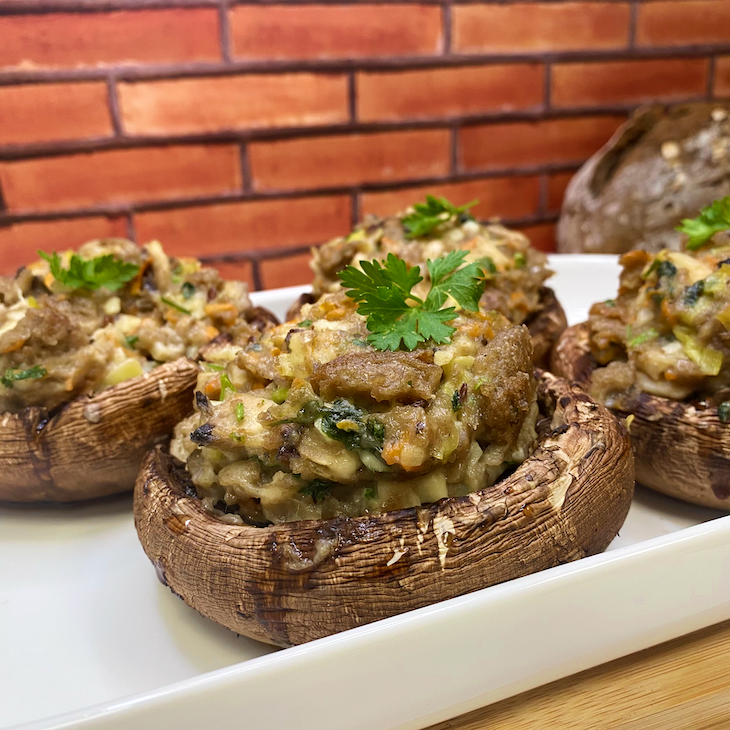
(431, 214)
(37, 371)
(711, 220)
(397, 318)
(103, 271)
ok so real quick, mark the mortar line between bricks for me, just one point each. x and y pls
(256, 275)
(70, 147)
(246, 182)
(633, 20)
(114, 109)
(446, 27)
(711, 69)
(160, 72)
(26, 216)
(131, 232)
(225, 31)
(352, 96)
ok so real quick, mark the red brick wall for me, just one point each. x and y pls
(245, 132)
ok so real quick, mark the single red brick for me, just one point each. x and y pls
(320, 162)
(683, 22)
(289, 271)
(120, 176)
(268, 32)
(445, 92)
(539, 26)
(250, 225)
(182, 106)
(521, 144)
(541, 235)
(557, 182)
(19, 242)
(722, 76)
(238, 271)
(502, 197)
(46, 112)
(74, 40)
(605, 82)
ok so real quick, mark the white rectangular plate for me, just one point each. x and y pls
(90, 639)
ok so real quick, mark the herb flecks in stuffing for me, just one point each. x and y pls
(11, 376)
(396, 317)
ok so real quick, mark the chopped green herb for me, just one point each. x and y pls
(240, 412)
(280, 394)
(359, 343)
(174, 305)
(650, 334)
(214, 366)
(723, 411)
(226, 385)
(396, 317)
(103, 271)
(610, 302)
(187, 290)
(236, 437)
(431, 214)
(662, 267)
(694, 292)
(713, 219)
(488, 265)
(12, 375)
(131, 341)
(305, 323)
(317, 489)
(371, 492)
(520, 260)
(455, 402)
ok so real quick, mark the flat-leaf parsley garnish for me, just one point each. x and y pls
(713, 219)
(397, 318)
(431, 214)
(11, 375)
(103, 271)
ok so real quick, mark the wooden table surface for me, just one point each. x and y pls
(681, 685)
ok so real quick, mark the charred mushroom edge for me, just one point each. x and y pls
(293, 582)
(681, 448)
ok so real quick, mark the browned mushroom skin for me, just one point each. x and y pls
(92, 447)
(297, 581)
(545, 326)
(681, 449)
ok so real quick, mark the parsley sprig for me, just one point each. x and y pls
(103, 271)
(711, 220)
(431, 214)
(11, 375)
(398, 318)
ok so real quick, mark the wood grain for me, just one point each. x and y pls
(680, 685)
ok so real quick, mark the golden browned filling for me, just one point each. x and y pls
(312, 422)
(113, 311)
(668, 331)
(515, 272)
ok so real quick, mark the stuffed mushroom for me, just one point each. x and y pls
(660, 352)
(515, 272)
(96, 363)
(334, 478)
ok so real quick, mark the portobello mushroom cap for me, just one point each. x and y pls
(545, 325)
(93, 445)
(293, 582)
(681, 448)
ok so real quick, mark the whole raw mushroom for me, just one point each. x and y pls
(663, 165)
